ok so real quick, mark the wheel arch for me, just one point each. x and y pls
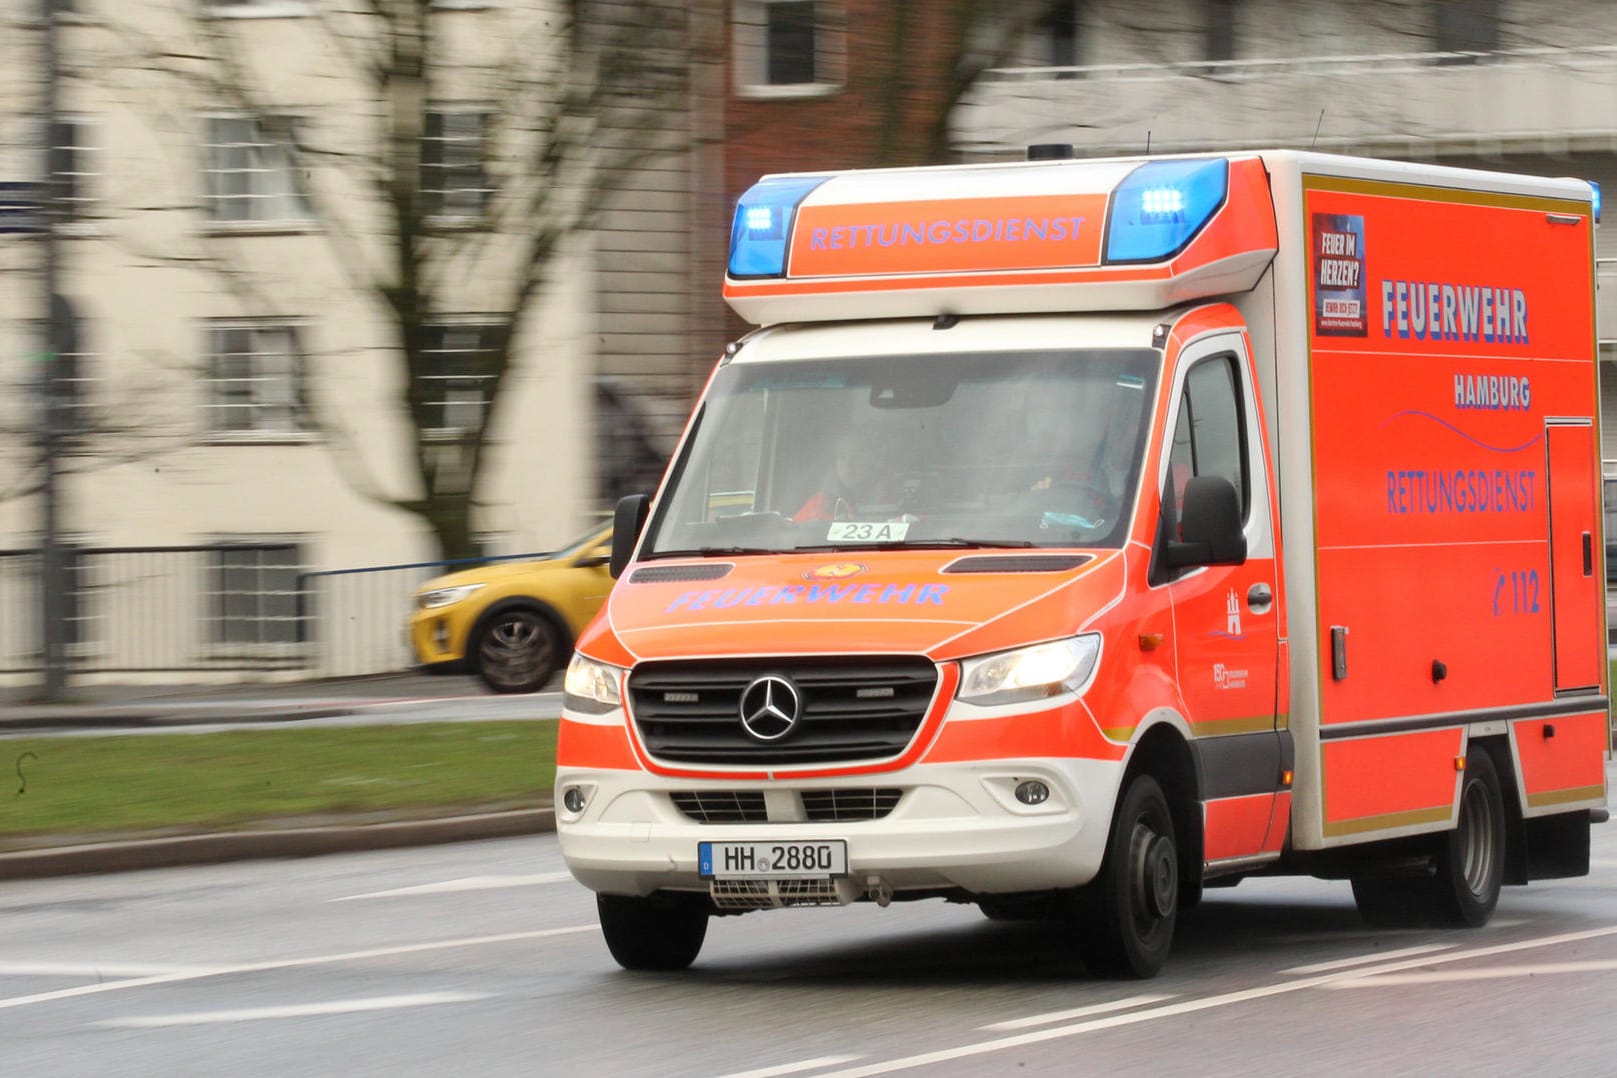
(1163, 753)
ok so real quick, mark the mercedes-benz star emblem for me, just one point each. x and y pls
(770, 708)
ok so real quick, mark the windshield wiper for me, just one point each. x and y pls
(712, 551)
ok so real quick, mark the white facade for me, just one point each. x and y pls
(1512, 85)
(243, 373)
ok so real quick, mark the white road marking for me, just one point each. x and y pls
(88, 969)
(1367, 959)
(469, 883)
(297, 1010)
(793, 1068)
(1076, 1012)
(1190, 1006)
(1491, 973)
(287, 963)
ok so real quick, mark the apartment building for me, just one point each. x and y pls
(1515, 85)
(231, 244)
(1512, 85)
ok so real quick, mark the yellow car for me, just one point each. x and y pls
(512, 623)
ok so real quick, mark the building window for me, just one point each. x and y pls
(457, 372)
(72, 165)
(787, 48)
(1059, 31)
(256, 596)
(454, 184)
(250, 175)
(1465, 28)
(1218, 38)
(255, 379)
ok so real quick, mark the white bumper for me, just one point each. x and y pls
(955, 825)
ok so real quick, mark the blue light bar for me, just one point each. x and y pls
(1161, 205)
(1595, 187)
(763, 225)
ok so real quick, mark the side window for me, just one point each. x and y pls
(1209, 437)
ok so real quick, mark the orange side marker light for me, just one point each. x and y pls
(1459, 763)
(1151, 641)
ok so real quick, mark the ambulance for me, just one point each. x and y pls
(1070, 536)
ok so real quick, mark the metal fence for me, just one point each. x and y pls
(227, 609)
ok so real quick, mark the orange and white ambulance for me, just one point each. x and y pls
(1075, 534)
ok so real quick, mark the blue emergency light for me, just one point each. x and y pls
(763, 225)
(1595, 188)
(1161, 205)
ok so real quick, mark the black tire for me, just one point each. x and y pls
(1127, 915)
(1471, 860)
(517, 649)
(658, 932)
(1461, 887)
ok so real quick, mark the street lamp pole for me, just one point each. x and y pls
(52, 568)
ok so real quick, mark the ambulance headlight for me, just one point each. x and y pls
(591, 687)
(1031, 673)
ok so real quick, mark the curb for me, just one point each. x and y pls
(139, 854)
(153, 720)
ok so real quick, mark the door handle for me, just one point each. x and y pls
(1588, 554)
(1258, 595)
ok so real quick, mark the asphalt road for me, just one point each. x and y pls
(484, 958)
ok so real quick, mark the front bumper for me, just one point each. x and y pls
(955, 826)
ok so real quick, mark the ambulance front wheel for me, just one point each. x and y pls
(657, 932)
(1127, 915)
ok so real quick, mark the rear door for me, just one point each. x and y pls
(1575, 589)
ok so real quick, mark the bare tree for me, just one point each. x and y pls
(548, 122)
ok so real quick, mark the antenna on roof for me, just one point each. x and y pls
(1148, 142)
(1317, 123)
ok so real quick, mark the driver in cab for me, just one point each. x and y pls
(851, 481)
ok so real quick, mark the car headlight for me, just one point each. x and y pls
(591, 687)
(1031, 673)
(436, 597)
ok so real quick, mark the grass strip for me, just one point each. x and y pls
(167, 783)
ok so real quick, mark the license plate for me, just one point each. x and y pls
(772, 860)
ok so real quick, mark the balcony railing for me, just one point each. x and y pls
(1406, 104)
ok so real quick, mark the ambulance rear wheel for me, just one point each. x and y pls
(657, 932)
(1127, 918)
(1471, 860)
(1461, 886)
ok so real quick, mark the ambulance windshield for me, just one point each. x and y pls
(1015, 449)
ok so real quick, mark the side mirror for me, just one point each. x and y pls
(627, 520)
(1210, 525)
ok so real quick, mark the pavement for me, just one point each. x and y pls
(131, 708)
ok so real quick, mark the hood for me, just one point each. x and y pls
(939, 603)
(494, 573)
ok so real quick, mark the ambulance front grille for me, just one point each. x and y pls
(722, 806)
(851, 708)
(831, 805)
(773, 894)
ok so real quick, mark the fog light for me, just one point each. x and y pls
(440, 634)
(572, 799)
(1032, 792)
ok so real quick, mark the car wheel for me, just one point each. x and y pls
(657, 932)
(517, 650)
(1127, 915)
